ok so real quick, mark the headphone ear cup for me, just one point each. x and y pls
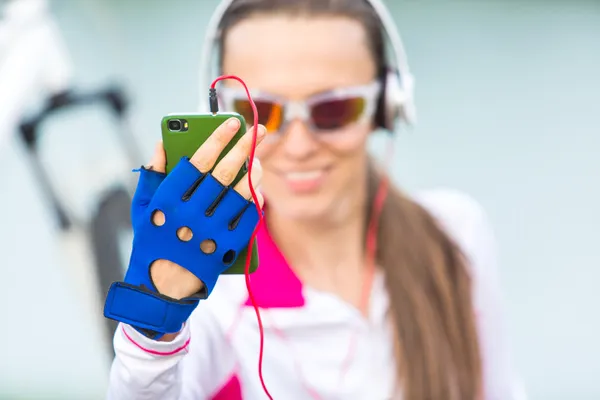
(398, 100)
(393, 93)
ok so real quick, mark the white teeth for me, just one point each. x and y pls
(298, 176)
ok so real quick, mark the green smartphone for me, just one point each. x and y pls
(183, 134)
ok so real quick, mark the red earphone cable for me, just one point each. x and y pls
(260, 222)
(371, 249)
(372, 230)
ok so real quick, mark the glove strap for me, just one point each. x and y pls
(149, 312)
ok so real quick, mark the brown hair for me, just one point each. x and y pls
(426, 274)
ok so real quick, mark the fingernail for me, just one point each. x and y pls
(233, 123)
(262, 131)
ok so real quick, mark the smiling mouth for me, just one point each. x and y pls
(304, 181)
(303, 175)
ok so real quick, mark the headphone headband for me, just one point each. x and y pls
(399, 83)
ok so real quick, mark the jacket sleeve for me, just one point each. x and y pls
(467, 222)
(193, 366)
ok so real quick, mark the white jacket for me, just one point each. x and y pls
(308, 334)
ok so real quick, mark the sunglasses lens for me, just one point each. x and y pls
(335, 114)
(269, 114)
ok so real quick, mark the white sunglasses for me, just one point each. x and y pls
(323, 112)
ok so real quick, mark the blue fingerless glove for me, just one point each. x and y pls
(188, 198)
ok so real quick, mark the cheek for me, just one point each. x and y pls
(347, 170)
(269, 161)
(263, 151)
(348, 142)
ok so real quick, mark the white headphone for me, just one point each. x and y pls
(399, 82)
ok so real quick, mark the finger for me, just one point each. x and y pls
(243, 186)
(158, 161)
(229, 166)
(151, 177)
(206, 156)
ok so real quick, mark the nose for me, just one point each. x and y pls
(298, 143)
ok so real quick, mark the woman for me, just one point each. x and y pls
(429, 329)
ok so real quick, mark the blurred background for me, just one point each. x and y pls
(507, 92)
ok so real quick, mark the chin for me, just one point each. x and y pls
(318, 207)
(302, 210)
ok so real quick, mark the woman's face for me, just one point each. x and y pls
(295, 58)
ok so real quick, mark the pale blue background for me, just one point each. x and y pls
(508, 95)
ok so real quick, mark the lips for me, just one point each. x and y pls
(303, 176)
(306, 181)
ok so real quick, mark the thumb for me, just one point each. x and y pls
(158, 162)
(151, 176)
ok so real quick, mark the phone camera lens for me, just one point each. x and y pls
(174, 125)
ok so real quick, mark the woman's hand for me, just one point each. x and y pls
(169, 278)
(189, 227)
